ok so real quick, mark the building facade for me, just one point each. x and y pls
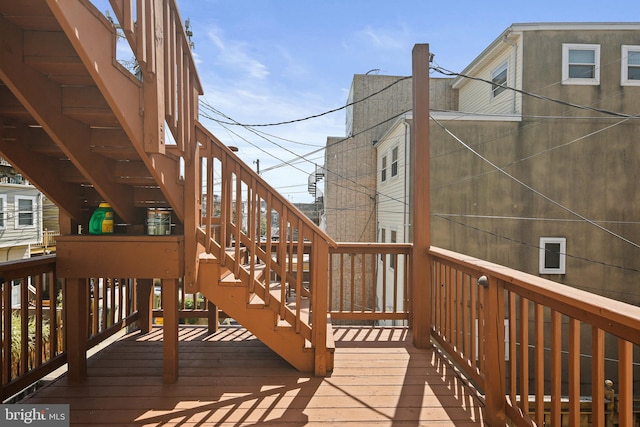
(543, 178)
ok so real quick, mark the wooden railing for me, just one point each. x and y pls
(535, 349)
(241, 213)
(33, 321)
(370, 282)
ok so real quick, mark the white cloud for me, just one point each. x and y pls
(389, 39)
(236, 56)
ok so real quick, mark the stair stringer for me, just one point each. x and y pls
(291, 346)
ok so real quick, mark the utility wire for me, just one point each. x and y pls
(523, 243)
(580, 138)
(450, 73)
(533, 190)
(235, 123)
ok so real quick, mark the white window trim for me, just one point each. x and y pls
(396, 162)
(504, 67)
(624, 77)
(383, 169)
(3, 211)
(563, 255)
(565, 64)
(34, 211)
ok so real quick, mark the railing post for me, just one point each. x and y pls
(153, 78)
(495, 388)
(76, 323)
(144, 289)
(421, 215)
(320, 282)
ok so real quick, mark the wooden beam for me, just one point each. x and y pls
(32, 88)
(421, 212)
(93, 37)
(144, 289)
(76, 294)
(120, 256)
(170, 330)
(41, 170)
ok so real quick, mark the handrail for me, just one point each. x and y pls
(510, 331)
(243, 212)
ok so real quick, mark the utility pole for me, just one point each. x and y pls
(257, 163)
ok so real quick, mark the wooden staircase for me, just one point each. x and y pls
(84, 129)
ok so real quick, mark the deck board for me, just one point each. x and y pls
(231, 379)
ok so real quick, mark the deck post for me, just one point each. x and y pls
(77, 321)
(420, 276)
(213, 318)
(170, 330)
(144, 289)
(320, 281)
(495, 386)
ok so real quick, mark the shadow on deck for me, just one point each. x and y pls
(230, 378)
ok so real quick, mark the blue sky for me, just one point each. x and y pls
(268, 61)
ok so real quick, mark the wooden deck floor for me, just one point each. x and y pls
(231, 379)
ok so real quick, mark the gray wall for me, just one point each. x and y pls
(495, 218)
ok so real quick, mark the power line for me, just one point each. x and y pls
(523, 243)
(315, 116)
(450, 73)
(528, 187)
(580, 138)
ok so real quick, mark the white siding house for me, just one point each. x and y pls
(20, 220)
(392, 204)
(501, 63)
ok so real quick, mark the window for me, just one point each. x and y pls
(25, 212)
(3, 211)
(394, 162)
(553, 254)
(581, 64)
(630, 65)
(392, 257)
(384, 169)
(499, 80)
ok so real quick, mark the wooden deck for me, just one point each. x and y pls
(231, 379)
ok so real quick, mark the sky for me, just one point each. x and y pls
(272, 61)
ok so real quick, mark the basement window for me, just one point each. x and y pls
(553, 255)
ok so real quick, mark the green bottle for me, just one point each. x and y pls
(102, 220)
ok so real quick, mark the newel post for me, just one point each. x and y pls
(495, 368)
(420, 276)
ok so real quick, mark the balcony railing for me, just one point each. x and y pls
(536, 349)
(369, 282)
(33, 319)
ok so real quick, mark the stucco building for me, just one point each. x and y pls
(544, 178)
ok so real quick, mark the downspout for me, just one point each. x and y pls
(407, 179)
